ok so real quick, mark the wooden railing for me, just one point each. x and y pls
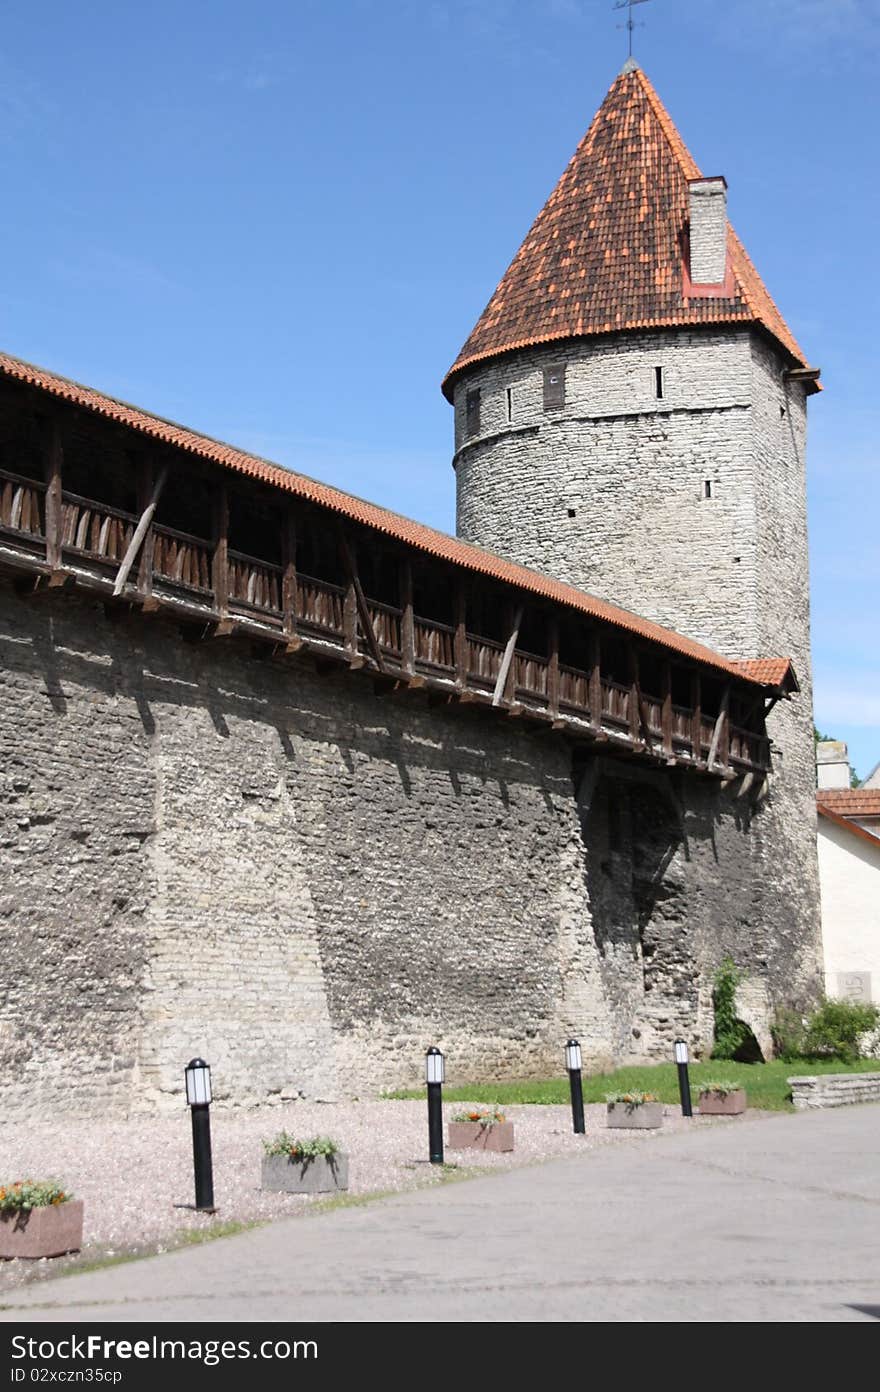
(615, 702)
(386, 627)
(254, 583)
(530, 676)
(574, 689)
(435, 644)
(21, 503)
(320, 604)
(255, 591)
(483, 661)
(181, 558)
(95, 530)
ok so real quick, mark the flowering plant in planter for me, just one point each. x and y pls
(631, 1099)
(483, 1116)
(38, 1218)
(484, 1128)
(634, 1110)
(31, 1193)
(313, 1165)
(722, 1097)
(285, 1144)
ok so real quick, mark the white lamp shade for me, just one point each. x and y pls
(573, 1056)
(198, 1083)
(681, 1051)
(435, 1066)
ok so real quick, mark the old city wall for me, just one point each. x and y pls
(610, 493)
(203, 852)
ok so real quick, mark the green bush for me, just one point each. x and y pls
(788, 1032)
(730, 1032)
(834, 1029)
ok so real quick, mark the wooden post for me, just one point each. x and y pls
(355, 596)
(407, 620)
(504, 682)
(144, 582)
(289, 587)
(640, 722)
(666, 715)
(54, 504)
(220, 558)
(696, 719)
(461, 644)
(553, 666)
(595, 679)
(140, 533)
(635, 695)
(720, 735)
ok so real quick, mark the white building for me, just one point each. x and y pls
(849, 877)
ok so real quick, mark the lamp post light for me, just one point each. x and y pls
(435, 1076)
(573, 1063)
(684, 1082)
(198, 1095)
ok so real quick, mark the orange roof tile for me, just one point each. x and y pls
(606, 252)
(391, 524)
(770, 671)
(850, 802)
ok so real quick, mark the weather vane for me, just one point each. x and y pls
(630, 22)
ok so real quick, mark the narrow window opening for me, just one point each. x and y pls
(707, 489)
(782, 412)
(554, 387)
(510, 404)
(473, 412)
(572, 512)
(658, 382)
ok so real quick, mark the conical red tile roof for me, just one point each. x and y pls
(607, 250)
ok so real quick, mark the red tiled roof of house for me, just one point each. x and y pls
(606, 252)
(850, 802)
(390, 524)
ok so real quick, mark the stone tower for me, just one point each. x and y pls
(630, 416)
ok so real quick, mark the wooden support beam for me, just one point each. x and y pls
(595, 693)
(140, 533)
(461, 643)
(362, 608)
(553, 666)
(720, 735)
(289, 583)
(696, 719)
(54, 506)
(636, 710)
(407, 620)
(666, 711)
(220, 558)
(501, 683)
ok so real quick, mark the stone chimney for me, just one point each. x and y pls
(708, 235)
(832, 764)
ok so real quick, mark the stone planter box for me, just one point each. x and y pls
(42, 1232)
(732, 1104)
(470, 1135)
(646, 1117)
(324, 1174)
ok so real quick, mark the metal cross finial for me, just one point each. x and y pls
(630, 24)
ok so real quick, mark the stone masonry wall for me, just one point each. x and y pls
(203, 852)
(631, 468)
(609, 493)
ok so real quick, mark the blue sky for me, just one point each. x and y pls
(277, 222)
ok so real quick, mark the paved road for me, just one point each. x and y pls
(760, 1220)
